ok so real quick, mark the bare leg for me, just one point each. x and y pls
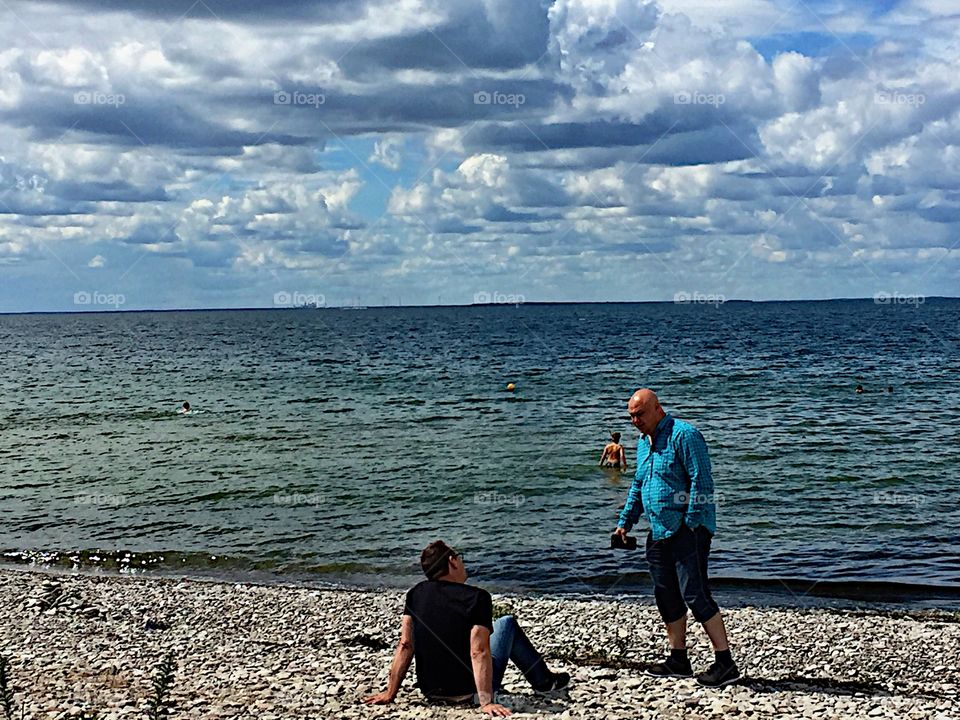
(677, 633)
(716, 631)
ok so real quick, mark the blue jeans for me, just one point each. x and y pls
(509, 642)
(678, 568)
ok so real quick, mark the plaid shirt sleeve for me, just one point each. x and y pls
(696, 461)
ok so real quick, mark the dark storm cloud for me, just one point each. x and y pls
(138, 121)
(119, 191)
(516, 37)
(149, 232)
(537, 136)
(397, 107)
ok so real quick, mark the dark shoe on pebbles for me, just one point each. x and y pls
(718, 675)
(671, 668)
(558, 681)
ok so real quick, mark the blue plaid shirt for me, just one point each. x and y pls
(673, 483)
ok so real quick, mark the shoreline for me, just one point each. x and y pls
(765, 592)
(432, 306)
(280, 651)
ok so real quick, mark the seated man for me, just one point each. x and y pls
(448, 626)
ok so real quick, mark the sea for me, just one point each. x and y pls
(328, 446)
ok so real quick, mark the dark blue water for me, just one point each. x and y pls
(333, 444)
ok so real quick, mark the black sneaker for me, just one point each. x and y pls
(671, 668)
(558, 681)
(718, 675)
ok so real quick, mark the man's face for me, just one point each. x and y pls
(644, 416)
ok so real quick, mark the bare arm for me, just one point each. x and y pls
(623, 458)
(398, 668)
(603, 456)
(483, 671)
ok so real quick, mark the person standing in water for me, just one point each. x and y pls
(614, 455)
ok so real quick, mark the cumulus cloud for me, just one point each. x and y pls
(388, 152)
(236, 143)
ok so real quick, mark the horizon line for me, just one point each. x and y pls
(891, 300)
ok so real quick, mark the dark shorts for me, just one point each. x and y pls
(678, 568)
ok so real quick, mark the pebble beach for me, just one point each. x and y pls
(92, 644)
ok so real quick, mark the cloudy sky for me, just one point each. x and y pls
(233, 153)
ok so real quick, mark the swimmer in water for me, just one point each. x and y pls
(613, 454)
(859, 390)
(185, 408)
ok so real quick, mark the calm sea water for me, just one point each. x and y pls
(333, 445)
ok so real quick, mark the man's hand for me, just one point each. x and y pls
(622, 533)
(381, 698)
(496, 710)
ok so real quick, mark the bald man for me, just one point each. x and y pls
(673, 485)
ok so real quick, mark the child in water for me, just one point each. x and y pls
(613, 454)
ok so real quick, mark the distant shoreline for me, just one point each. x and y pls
(927, 298)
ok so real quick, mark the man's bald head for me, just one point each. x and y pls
(645, 411)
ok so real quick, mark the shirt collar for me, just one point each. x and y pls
(665, 421)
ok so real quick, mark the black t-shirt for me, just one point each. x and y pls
(443, 615)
